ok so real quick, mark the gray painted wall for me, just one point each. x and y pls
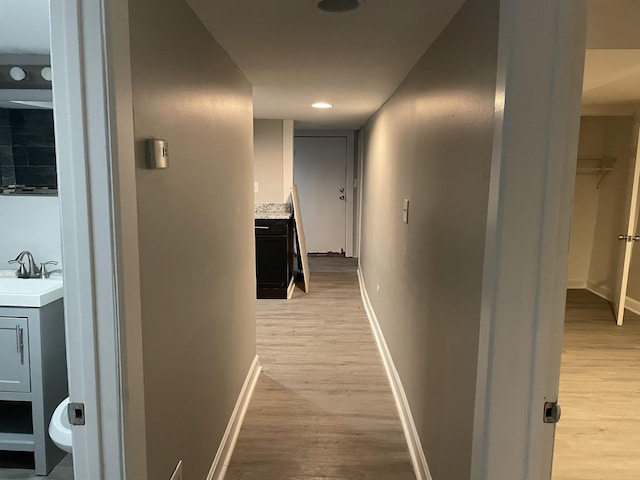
(432, 143)
(196, 234)
(268, 160)
(29, 223)
(273, 159)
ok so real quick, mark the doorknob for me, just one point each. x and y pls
(341, 197)
(342, 190)
(636, 238)
(624, 237)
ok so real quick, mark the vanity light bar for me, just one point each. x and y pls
(25, 76)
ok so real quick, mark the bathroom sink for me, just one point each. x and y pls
(31, 292)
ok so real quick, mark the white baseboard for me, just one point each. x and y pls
(600, 290)
(406, 418)
(631, 304)
(576, 283)
(228, 443)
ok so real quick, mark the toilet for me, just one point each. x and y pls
(60, 428)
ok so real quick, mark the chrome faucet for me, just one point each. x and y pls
(32, 272)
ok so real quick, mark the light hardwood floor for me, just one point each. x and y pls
(323, 408)
(598, 437)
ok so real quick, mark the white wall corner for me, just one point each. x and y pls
(225, 450)
(416, 451)
(600, 289)
(577, 283)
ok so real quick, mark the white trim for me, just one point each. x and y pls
(601, 290)
(88, 148)
(531, 186)
(418, 459)
(633, 305)
(606, 293)
(291, 289)
(351, 190)
(576, 283)
(125, 212)
(223, 456)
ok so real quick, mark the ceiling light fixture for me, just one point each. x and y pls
(45, 73)
(337, 6)
(322, 105)
(18, 74)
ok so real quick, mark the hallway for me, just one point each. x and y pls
(323, 407)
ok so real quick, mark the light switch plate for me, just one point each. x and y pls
(256, 187)
(177, 474)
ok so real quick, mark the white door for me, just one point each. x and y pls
(629, 238)
(320, 171)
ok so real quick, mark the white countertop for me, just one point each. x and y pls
(29, 292)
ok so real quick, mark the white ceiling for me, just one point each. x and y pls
(611, 82)
(295, 54)
(612, 64)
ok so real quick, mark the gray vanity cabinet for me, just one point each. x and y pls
(33, 380)
(14, 355)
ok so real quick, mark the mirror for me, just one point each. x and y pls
(27, 144)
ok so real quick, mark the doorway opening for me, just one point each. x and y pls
(598, 381)
(35, 433)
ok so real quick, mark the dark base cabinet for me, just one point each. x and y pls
(274, 257)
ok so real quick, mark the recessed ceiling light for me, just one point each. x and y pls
(322, 105)
(336, 6)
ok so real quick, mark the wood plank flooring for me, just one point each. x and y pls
(598, 437)
(323, 408)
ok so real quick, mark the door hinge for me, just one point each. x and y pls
(75, 412)
(552, 412)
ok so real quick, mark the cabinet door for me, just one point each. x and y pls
(271, 261)
(14, 355)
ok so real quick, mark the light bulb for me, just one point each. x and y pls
(17, 73)
(45, 73)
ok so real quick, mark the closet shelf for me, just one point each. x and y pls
(596, 166)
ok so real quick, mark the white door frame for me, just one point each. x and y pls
(350, 187)
(540, 65)
(96, 172)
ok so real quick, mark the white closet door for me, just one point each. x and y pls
(629, 238)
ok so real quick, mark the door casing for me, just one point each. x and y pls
(96, 177)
